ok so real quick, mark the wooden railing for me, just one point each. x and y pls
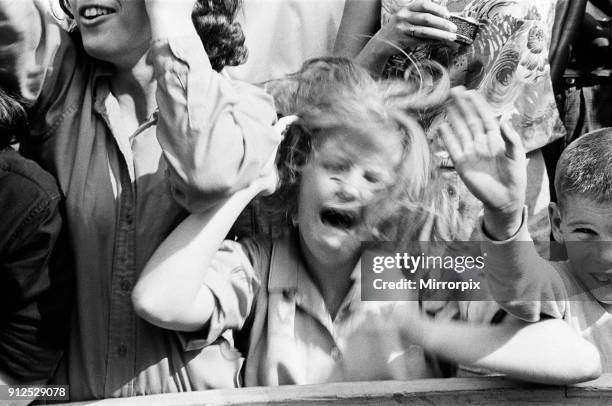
(496, 391)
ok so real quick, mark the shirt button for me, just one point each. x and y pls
(126, 285)
(336, 354)
(122, 350)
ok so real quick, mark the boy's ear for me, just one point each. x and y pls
(554, 214)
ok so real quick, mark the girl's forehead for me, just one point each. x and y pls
(361, 144)
(375, 155)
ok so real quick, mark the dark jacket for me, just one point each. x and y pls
(34, 287)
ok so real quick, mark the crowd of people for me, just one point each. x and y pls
(187, 186)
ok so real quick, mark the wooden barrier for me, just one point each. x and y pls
(496, 391)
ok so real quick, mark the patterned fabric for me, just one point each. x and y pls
(507, 63)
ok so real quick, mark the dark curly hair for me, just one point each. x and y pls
(214, 21)
(13, 119)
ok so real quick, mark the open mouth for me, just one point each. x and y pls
(90, 13)
(339, 218)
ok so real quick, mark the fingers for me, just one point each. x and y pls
(488, 119)
(452, 144)
(472, 115)
(427, 20)
(514, 144)
(428, 6)
(427, 33)
(471, 128)
(460, 128)
(268, 181)
(283, 124)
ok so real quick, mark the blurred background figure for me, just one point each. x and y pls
(282, 34)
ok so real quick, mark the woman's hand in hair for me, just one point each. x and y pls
(490, 160)
(170, 18)
(268, 181)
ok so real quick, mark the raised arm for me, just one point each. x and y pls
(362, 37)
(216, 134)
(171, 291)
(360, 21)
(492, 165)
(547, 352)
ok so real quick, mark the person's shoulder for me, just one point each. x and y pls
(258, 248)
(25, 177)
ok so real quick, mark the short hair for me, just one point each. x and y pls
(585, 168)
(13, 120)
(214, 21)
(334, 93)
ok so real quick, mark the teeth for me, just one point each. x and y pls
(93, 12)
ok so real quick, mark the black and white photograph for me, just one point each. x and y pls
(305, 202)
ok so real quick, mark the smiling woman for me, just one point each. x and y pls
(113, 31)
(222, 37)
(130, 116)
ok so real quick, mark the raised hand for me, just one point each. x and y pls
(267, 183)
(417, 22)
(490, 160)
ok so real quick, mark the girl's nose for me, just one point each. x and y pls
(347, 192)
(352, 188)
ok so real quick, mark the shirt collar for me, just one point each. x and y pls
(285, 264)
(288, 273)
(101, 86)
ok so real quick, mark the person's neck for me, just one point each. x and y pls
(134, 86)
(333, 278)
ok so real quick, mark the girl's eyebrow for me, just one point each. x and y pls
(581, 223)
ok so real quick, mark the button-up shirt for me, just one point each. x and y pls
(284, 329)
(126, 192)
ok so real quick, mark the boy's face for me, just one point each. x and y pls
(585, 227)
(114, 31)
(340, 179)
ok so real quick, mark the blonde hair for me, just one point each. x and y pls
(334, 93)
